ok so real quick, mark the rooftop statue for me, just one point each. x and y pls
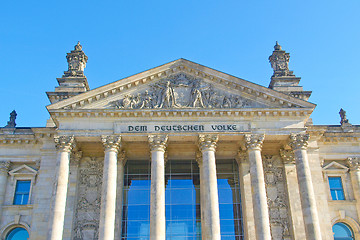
(343, 117)
(11, 123)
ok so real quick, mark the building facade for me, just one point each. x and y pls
(181, 152)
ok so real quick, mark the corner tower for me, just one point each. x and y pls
(284, 80)
(73, 81)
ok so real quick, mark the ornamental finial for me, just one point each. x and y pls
(280, 62)
(76, 62)
(277, 46)
(11, 123)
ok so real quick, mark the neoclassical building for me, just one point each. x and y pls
(180, 152)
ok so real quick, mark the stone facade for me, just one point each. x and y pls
(180, 110)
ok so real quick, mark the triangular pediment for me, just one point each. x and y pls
(23, 170)
(181, 84)
(335, 166)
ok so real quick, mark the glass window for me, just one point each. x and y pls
(182, 200)
(336, 188)
(342, 232)
(229, 200)
(22, 191)
(18, 234)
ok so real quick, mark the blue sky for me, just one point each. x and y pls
(122, 38)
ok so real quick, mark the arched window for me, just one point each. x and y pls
(18, 234)
(342, 232)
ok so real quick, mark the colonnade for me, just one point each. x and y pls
(210, 219)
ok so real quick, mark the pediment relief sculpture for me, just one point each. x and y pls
(181, 91)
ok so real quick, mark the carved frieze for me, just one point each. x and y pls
(181, 91)
(277, 197)
(87, 213)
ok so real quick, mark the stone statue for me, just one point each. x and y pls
(11, 123)
(167, 99)
(196, 95)
(343, 117)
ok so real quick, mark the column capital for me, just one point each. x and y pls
(287, 156)
(207, 142)
(64, 143)
(198, 157)
(158, 142)
(299, 141)
(4, 166)
(111, 142)
(254, 141)
(354, 163)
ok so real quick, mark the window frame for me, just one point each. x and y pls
(23, 173)
(335, 169)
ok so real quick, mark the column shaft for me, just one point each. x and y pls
(261, 210)
(260, 206)
(108, 193)
(64, 145)
(157, 198)
(307, 194)
(210, 217)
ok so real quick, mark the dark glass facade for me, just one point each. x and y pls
(182, 200)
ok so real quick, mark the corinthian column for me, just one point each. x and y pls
(157, 201)
(253, 144)
(354, 164)
(108, 192)
(4, 168)
(210, 219)
(298, 143)
(64, 144)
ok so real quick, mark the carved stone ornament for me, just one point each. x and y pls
(277, 197)
(254, 141)
(280, 62)
(111, 143)
(76, 62)
(287, 156)
(122, 158)
(207, 142)
(75, 157)
(241, 156)
(181, 91)
(64, 143)
(86, 222)
(299, 141)
(354, 163)
(198, 157)
(4, 166)
(343, 120)
(158, 142)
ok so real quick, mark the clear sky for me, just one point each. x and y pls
(122, 38)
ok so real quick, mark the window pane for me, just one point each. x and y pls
(22, 191)
(18, 234)
(342, 232)
(336, 189)
(229, 200)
